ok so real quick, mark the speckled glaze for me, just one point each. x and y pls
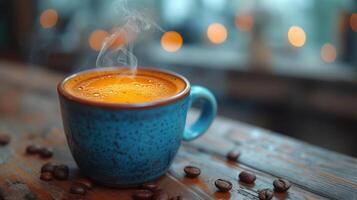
(127, 147)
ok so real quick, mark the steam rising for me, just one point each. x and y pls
(122, 55)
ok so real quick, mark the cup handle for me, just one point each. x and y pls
(208, 112)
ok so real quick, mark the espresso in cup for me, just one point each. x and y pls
(124, 86)
(123, 128)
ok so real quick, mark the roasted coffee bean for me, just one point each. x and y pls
(192, 172)
(160, 195)
(150, 186)
(223, 185)
(233, 155)
(61, 172)
(143, 195)
(281, 185)
(46, 176)
(88, 184)
(46, 152)
(77, 189)
(247, 177)
(60, 175)
(4, 139)
(48, 167)
(62, 167)
(265, 194)
(33, 149)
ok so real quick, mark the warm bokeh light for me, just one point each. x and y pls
(244, 22)
(353, 22)
(48, 18)
(119, 41)
(296, 36)
(171, 41)
(96, 39)
(328, 53)
(216, 33)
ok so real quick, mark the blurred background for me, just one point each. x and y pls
(288, 66)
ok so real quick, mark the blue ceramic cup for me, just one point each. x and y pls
(125, 145)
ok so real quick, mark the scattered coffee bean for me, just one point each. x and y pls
(176, 198)
(33, 149)
(265, 194)
(61, 172)
(233, 155)
(48, 167)
(4, 139)
(62, 167)
(150, 186)
(247, 177)
(192, 172)
(281, 185)
(88, 184)
(60, 175)
(223, 185)
(46, 176)
(77, 189)
(143, 195)
(160, 195)
(46, 152)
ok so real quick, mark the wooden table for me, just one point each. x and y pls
(29, 112)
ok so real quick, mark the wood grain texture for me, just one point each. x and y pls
(318, 170)
(29, 112)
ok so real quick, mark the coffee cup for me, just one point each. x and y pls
(127, 144)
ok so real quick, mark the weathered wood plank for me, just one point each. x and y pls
(214, 167)
(315, 169)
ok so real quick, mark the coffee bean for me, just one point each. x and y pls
(281, 185)
(265, 194)
(60, 175)
(233, 155)
(46, 152)
(48, 167)
(88, 184)
(46, 176)
(150, 186)
(223, 185)
(62, 167)
(143, 195)
(77, 189)
(176, 198)
(192, 172)
(160, 195)
(61, 172)
(4, 139)
(33, 149)
(247, 177)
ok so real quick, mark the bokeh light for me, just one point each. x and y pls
(244, 22)
(353, 22)
(48, 18)
(171, 41)
(216, 33)
(328, 53)
(96, 39)
(119, 41)
(296, 36)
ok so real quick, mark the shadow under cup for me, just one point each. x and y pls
(126, 145)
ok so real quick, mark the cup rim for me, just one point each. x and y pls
(122, 106)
